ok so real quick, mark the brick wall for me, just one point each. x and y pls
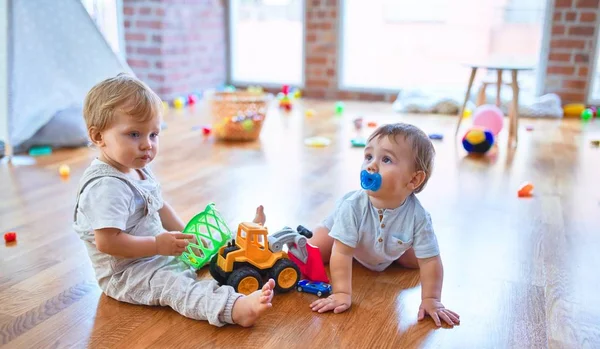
(571, 50)
(176, 46)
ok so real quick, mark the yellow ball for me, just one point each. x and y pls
(310, 112)
(297, 94)
(178, 102)
(64, 170)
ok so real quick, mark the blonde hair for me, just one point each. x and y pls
(422, 148)
(124, 93)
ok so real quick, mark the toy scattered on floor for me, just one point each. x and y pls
(206, 130)
(178, 103)
(573, 109)
(255, 256)
(490, 117)
(595, 143)
(285, 101)
(40, 150)
(436, 136)
(358, 123)
(255, 89)
(525, 190)
(467, 113)
(11, 236)
(371, 124)
(309, 112)
(478, 140)
(211, 234)
(317, 141)
(192, 99)
(339, 107)
(318, 288)
(529, 128)
(587, 114)
(311, 267)
(64, 170)
(297, 93)
(358, 142)
(370, 181)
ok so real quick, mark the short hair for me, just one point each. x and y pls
(122, 92)
(422, 148)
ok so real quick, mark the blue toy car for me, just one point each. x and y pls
(318, 288)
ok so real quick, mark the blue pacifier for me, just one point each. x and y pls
(370, 181)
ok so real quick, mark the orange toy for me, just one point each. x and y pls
(526, 190)
(244, 263)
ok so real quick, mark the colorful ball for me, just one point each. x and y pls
(490, 117)
(478, 140)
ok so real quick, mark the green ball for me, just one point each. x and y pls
(339, 107)
(587, 114)
(248, 125)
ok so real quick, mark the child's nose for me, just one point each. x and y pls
(146, 144)
(373, 167)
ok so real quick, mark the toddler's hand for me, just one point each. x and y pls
(338, 302)
(172, 243)
(437, 311)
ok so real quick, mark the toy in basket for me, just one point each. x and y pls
(211, 233)
(238, 115)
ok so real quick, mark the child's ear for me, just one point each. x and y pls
(96, 136)
(417, 179)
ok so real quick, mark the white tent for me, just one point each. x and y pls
(56, 54)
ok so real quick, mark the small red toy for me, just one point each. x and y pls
(285, 89)
(526, 190)
(192, 99)
(206, 130)
(10, 236)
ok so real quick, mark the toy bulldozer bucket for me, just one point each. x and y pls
(313, 269)
(211, 234)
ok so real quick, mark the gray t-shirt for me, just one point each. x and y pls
(109, 202)
(378, 243)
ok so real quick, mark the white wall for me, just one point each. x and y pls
(4, 71)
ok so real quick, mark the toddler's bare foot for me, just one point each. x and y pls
(260, 217)
(247, 309)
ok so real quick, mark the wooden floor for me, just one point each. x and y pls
(522, 273)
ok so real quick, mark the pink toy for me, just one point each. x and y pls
(489, 116)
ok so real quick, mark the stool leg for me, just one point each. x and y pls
(513, 131)
(499, 88)
(462, 109)
(481, 97)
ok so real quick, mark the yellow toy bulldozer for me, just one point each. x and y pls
(253, 257)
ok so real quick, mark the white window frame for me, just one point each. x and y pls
(4, 71)
(542, 62)
(594, 57)
(229, 41)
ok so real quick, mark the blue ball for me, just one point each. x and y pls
(478, 140)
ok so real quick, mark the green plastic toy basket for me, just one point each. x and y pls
(211, 233)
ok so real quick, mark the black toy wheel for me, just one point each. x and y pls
(215, 271)
(286, 275)
(245, 280)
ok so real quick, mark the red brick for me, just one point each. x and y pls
(149, 24)
(317, 83)
(582, 58)
(330, 72)
(557, 16)
(128, 11)
(135, 37)
(567, 43)
(156, 77)
(138, 63)
(575, 84)
(572, 97)
(316, 60)
(148, 10)
(558, 29)
(587, 3)
(149, 50)
(160, 11)
(563, 3)
(559, 57)
(570, 16)
(164, 90)
(560, 70)
(587, 16)
(582, 71)
(127, 24)
(581, 30)
(311, 37)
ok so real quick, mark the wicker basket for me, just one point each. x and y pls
(238, 116)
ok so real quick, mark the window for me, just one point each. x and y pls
(594, 94)
(106, 15)
(266, 42)
(398, 44)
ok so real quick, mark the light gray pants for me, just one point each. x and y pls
(164, 281)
